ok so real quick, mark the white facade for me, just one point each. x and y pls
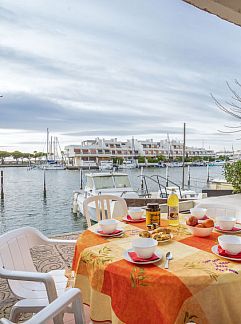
(93, 151)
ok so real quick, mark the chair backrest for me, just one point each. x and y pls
(15, 248)
(217, 210)
(57, 307)
(106, 206)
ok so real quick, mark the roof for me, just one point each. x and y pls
(229, 10)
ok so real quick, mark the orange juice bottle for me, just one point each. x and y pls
(173, 208)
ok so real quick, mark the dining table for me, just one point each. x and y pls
(198, 287)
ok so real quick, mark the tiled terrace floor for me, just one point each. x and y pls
(45, 258)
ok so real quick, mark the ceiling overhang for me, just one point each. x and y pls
(229, 10)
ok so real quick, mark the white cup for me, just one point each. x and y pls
(108, 225)
(136, 212)
(226, 222)
(230, 243)
(144, 247)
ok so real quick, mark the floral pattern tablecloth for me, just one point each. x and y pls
(198, 287)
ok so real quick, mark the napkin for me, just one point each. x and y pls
(204, 217)
(222, 252)
(232, 230)
(130, 218)
(114, 233)
(135, 257)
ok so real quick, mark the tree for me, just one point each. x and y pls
(178, 159)
(161, 158)
(118, 160)
(17, 155)
(152, 160)
(223, 158)
(141, 159)
(232, 108)
(232, 172)
(3, 155)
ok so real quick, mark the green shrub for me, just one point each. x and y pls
(232, 172)
(141, 159)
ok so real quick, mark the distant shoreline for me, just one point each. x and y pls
(13, 165)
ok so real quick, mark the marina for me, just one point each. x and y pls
(129, 210)
(24, 203)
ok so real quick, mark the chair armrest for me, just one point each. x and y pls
(65, 242)
(45, 278)
(46, 240)
(73, 296)
(5, 321)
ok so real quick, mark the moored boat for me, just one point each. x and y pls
(106, 165)
(112, 183)
(53, 161)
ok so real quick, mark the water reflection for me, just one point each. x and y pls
(25, 204)
(1, 206)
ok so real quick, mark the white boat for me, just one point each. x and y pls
(220, 184)
(52, 165)
(128, 164)
(217, 163)
(106, 165)
(181, 193)
(117, 184)
(53, 162)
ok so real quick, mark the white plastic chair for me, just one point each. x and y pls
(106, 206)
(215, 210)
(58, 307)
(35, 289)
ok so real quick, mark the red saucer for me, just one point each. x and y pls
(233, 230)
(131, 220)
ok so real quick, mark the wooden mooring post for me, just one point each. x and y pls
(2, 192)
(189, 177)
(81, 178)
(208, 176)
(45, 192)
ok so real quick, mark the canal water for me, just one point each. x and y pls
(24, 203)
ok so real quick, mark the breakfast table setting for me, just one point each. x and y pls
(131, 273)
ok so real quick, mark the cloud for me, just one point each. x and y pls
(28, 112)
(38, 63)
(114, 68)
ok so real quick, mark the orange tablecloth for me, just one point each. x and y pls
(198, 287)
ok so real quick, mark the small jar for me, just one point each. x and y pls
(150, 227)
(153, 214)
(155, 225)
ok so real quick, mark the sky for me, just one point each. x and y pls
(87, 69)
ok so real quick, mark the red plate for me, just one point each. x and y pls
(236, 229)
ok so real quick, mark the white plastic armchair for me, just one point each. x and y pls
(57, 308)
(35, 289)
(105, 207)
(215, 210)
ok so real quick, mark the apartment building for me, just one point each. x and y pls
(91, 152)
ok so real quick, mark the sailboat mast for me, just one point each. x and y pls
(183, 155)
(54, 148)
(169, 147)
(51, 147)
(132, 148)
(47, 144)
